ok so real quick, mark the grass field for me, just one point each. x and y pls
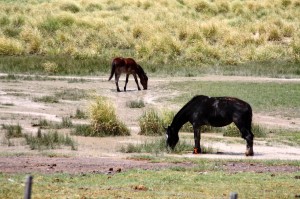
(273, 98)
(177, 37)
(206, 180)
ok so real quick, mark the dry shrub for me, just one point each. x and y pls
(50, 67)
(104, 121)
(33, 39)
(10, 46)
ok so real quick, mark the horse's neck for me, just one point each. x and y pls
(179, 120)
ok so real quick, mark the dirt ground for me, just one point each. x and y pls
(101, 155)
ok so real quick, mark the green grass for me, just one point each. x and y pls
(12, 131)
(49, 140)
(151, 123)
(273, 98)
(158, 147)
(205, 181)
(135, 104)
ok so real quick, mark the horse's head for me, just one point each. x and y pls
(172, 137)
(144, 81)
(143, 77)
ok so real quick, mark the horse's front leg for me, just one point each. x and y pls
(197, 137)
(136, 81)
(126, 81)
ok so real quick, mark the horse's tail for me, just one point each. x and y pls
(113, 68)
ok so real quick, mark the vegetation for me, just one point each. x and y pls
(151, 123)
(50, 140)
(232, 131)
(158, 146)
(12, 131)
(271, 97)
(104, 121)
(136, 104)
(173, 37)
(207, 178)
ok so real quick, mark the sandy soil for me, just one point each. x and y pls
(17, 106)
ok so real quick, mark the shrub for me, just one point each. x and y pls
(104, 121)
(10, 47)
(151, 123)
(50, 67)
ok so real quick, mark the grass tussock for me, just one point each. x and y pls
(50, 140)
(12, 131)
(151, 123)
(104, 121)
(136, 104)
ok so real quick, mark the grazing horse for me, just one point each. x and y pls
(216, 112)
(129, 66)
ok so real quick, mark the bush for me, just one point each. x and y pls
(151, 123)
(104, 121)
(10, 47)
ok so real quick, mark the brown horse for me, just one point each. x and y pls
(129, 66)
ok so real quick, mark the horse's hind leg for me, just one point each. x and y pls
(247, 134)
(126, 81)
(117, 77)
(136, 81)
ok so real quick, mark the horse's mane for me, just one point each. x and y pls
(187, 106)
(141, 71)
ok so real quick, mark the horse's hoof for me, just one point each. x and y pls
(249, 153)
(197, 151)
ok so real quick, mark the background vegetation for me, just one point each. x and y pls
(170, 36)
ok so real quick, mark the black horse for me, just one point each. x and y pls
(216, 112)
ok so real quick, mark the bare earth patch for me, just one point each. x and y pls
(101, 155)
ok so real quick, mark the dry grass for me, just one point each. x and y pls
(160, 32)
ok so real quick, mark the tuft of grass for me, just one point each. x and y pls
(80, 114)
(50, 140)
(158, 146)
(136, 104)
(151, 123)
(12, 131)
(71, 94)
(71, 7)
(46, 99)
(232, 131)
(83, 130)
(104, 121)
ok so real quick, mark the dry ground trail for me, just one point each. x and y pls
(18, 106)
